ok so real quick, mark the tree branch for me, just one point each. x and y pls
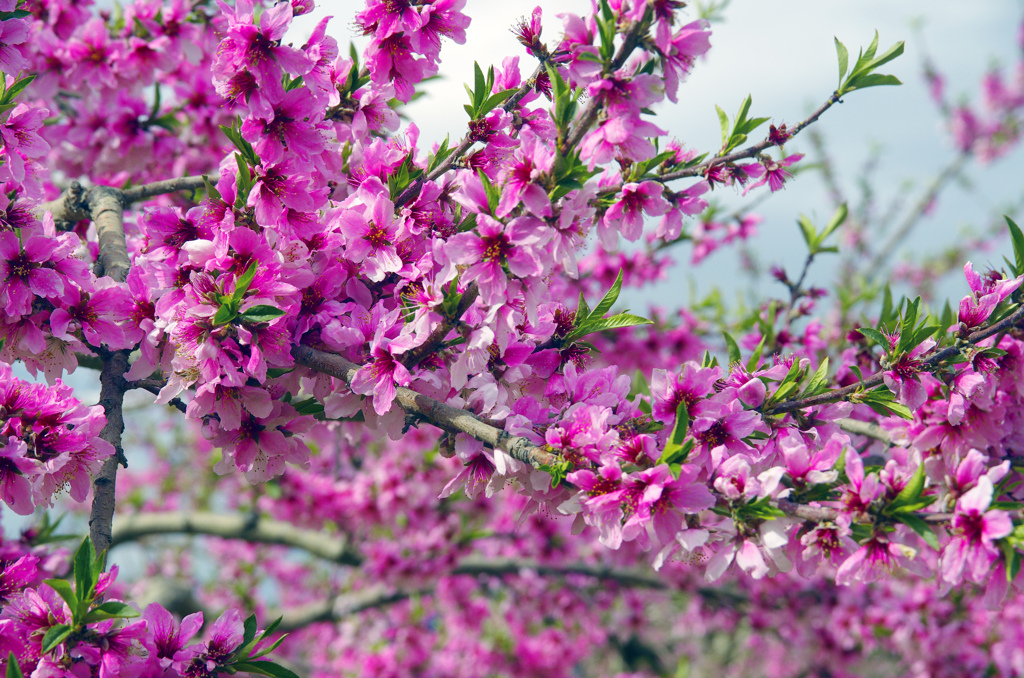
(950, 172)
(432, 411)
(248, 528)
(748, 152)
(931, 360)
(591, 110)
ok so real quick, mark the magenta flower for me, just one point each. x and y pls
(372, 236)
(902, 376)
(680, 50)
(286, 129)
(13, 32)
(626, 213)
(664, 502)
(92, 54)
(771, 172)
(277, 188)
(517, 244)
(15, 489)
(532, 160)
(24, 274)
(20, 135)
(385, 370)
(168, 637)
(987, 293)
(258, 49)
(972, 551)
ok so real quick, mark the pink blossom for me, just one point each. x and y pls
(972, 551)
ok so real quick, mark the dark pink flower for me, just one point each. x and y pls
(517, 244)
(972, 551)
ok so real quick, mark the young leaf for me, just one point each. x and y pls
(111, 610)
(1018, 246)
(85, 578)
(13, 670)
(262, 314)
(63, 589)
(55, 636)
(243, 282)
(844, 59)
(609, 298)
(734, 350)
(912, 491)
(264, 668)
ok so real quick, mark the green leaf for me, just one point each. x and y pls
(617, 321)
(243, 282)
(818, 380)
(873, 80)
(16, 89)
(224, 315)
(912, 491)
(211, 190)
(64, 590)
(835, 222)
(264, 668)
(13, 670)
(921, 527)
(609, 299)
(734, 350)
(479, 87)
(582, 311)
(755, 359)
(85, 578)
(262, 314)
(808, 231)
(111, 610)
(495, 100)
(875, 336)
(681, 425)
(844, 59)
(1018, 246)
(55, 636)
(723, 121)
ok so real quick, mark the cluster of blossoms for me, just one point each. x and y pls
(992, 129)
(49, 441)
(52, 629)
(454, 274)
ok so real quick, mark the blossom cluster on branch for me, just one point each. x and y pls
(328, 274)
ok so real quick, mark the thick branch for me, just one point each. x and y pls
(379, 596)
(112, 390)
(78, 203)
(432, 411)
(147, 191)
(865, 428)
(249, 528)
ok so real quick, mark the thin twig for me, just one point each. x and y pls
(950, 172)
(748, 152)
(436, 338)
(931, 360)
